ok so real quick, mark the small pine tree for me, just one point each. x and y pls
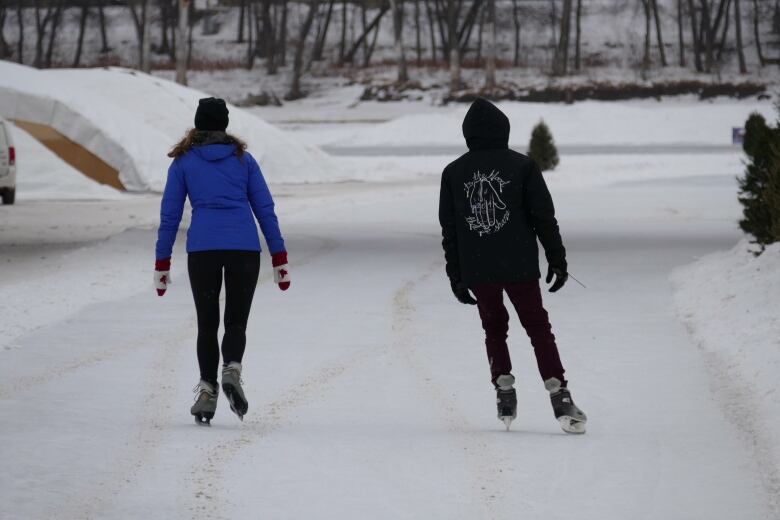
(542, 147)
(759, 144)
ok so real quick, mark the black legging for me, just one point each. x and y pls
(241, 270)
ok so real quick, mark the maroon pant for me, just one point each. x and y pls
(527, 301)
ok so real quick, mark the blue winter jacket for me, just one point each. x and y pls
(225, 191)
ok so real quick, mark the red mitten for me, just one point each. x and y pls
(281, 270)
(162, 275)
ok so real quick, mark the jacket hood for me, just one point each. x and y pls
(214, 152)
(485, 126)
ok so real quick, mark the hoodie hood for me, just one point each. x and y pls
(214, 152)
(485, 126)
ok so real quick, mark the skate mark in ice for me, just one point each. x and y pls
(477, 452)
(735, 398)
(130, 463)
(49, 373)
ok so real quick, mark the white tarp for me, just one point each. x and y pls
(131, 120)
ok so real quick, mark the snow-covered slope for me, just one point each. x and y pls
(730, 302)
(681, 121)
(40, 174)
(131, 120)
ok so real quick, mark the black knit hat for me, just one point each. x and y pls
(212, 114)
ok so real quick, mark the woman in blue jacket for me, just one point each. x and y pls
(227, 192)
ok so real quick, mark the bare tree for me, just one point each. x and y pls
(738, 28)
(322, 34)
(516, 22)
(82, 28)
(757, 34)
(5, 49)
(349, 56)
(452, 42)
(241, 23)
(577, 47)
(140, 11)
(680, 37)
(295, 85)
(181, 41)
(660, 38)
(417, 36)
(561, 60)
(103, 33)
(42, 20)
(398, 37)
(490, 65)
(20, 23)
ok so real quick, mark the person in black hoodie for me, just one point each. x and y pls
(493, 206)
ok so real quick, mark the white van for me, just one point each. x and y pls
(7, 164)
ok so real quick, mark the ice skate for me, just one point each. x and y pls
(571, 418)
(205, 403)
(231, 385)
(506, 399)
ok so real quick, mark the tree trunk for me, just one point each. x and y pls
(724, 34)
(680, 38)
(577, 47)
(5, 50)
(398, 37)
(696, 37)
(709, 40)
(516, 21)
(251, 36)
(82, 28)
(181, 42)
(295, 86)
(561, 62)
(146, 42)
(738, 28)
(490, 62)
(417, 37)
(658, 33)
(343, 36)
(283, 35)
(431, 29)
(757, 34)
(454, 54)
(322, 34)
(480, 34)
(103, 33)
(350, 55)
(646, 56)
(372, 46)
(241, 15)
(55, 25)
(20, 23)
(40, 26)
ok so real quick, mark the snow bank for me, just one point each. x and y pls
(40, 174)
(131, 120)
(730, 302)
(673, 121)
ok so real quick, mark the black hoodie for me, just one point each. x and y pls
(493, 205)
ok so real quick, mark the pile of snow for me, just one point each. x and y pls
(130, 120)
(730, 302)
(673, 121)
(40, 174)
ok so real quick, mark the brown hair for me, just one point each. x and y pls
(195, 137)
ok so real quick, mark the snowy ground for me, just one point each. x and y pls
(367, 382)
(368, 385)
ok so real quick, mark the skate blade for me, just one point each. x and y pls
(230, 394)
(571, 425)
(507, 422)
(202, 421)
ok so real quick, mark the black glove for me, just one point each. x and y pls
(560, 277)
(461, 292)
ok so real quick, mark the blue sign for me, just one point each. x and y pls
(737, 135)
